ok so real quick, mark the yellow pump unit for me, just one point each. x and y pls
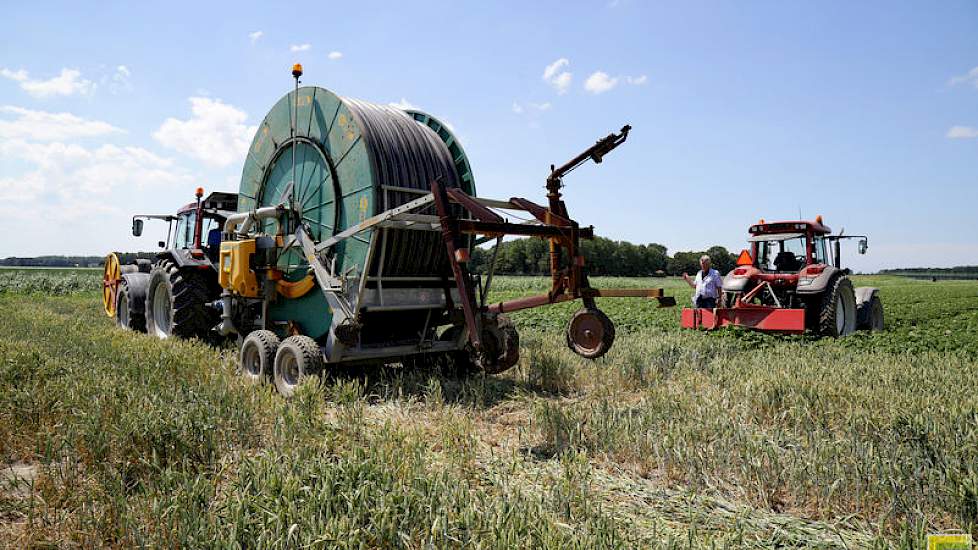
(236, 274)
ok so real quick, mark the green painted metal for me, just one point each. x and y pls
(454, 146)
(343, 157)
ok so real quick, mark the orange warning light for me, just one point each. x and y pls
(200, 192)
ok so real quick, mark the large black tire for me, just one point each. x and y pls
(297, 358)
(257, 356)
(177, 303)
(870, 314)
(130, 309)
(590, 333)
(837, 309)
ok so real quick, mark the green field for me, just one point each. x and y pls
(675, 439)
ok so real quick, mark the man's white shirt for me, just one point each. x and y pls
(710, 286)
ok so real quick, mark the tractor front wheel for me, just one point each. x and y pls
(130, 309)
(870, 314)
(837, 309)
(177, 303)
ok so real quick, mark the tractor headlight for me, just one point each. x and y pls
(803, 282)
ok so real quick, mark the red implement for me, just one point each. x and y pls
(765, 318)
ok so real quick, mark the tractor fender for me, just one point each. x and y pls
(820, 282)
(182, 258)
(865, 294)
(737, 283)
(732, 283)
(138, 284)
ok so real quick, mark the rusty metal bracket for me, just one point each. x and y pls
(451, 235)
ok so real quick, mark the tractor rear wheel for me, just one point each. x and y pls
(837, 309)
(177, 303)
(130, 312)
(297, 358)
(258, 355)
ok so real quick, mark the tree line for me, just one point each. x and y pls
(532, 257)
(71, 261)
(516, 257)
(604, 257)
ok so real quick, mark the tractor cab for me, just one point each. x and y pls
(194, 232)
(788, 247)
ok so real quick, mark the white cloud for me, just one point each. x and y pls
(520, 108)
(300, 47)
(44, 126)
(599, 82)
(119, 82)
(334, 55)
(17, 76)
(69, 82)
(255, 36)
(216, 133)
(962, 132)
(559, 79)
(969, 77)
(403, 105)
(636, 80)
(65, 173)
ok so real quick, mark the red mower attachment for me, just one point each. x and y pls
(769, 319)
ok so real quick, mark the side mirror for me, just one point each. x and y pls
(863, 245)
(161, 244)
(137, 227)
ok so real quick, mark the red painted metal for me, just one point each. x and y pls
(771, 319)
(784, 226)
(451, 237)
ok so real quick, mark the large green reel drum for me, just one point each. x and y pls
(353, 160)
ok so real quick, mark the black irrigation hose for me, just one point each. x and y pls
(404, 153)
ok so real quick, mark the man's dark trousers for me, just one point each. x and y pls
(708, 303)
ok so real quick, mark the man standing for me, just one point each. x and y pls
(708, 284)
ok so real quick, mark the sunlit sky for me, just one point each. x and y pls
(863, 112)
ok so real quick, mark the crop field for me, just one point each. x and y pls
(675, 439)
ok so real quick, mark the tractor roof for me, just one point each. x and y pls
(790, 226)
(218, 202)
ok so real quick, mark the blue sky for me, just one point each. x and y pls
(864, 112)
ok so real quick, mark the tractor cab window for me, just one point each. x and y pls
(184, 234)
(820, 250)
(786, 255)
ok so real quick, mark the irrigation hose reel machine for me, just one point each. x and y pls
(355, 227)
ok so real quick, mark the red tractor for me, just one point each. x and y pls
(791, 280)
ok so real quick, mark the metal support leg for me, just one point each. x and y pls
(450, 234)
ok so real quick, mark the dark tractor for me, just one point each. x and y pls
(172, 294)
(792, 280)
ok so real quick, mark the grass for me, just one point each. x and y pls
(675, 439)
